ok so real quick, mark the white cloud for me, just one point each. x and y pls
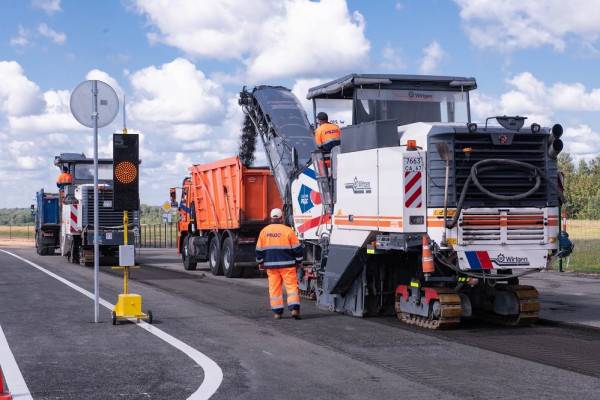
(96, 74)
(18, 95)
(517, 24)
(297, 45)
(272, 38)
(56, 37)
(300, 89)
(22, 38)
(391, 59)
(582, 141)
(55, 118)
(175, 92)
(432, 56)
(339, 111)
(48, 6)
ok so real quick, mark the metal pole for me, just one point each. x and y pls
(560, 218)
(96, 219)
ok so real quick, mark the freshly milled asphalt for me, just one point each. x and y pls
(324, 356)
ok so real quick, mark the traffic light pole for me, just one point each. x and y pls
(96, 216)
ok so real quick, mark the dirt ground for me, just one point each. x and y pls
(16, 243)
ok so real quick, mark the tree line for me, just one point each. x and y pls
(22, 216)
(582, 186)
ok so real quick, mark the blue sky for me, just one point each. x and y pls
(181, 62)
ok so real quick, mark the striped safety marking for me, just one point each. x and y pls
(479, 260)
(73, 219)
(314, 222)
(412, 189)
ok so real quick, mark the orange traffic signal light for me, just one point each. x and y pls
(125, 172)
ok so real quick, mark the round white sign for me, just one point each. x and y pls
(82, 103)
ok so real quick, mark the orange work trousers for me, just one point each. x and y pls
(277, 278)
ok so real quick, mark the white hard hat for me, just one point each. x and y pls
(276, 213)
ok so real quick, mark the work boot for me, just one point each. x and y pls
(296, 314)
(277, 315)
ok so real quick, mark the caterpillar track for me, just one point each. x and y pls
(445, 315)
(529, 307)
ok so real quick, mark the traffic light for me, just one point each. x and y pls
(126, 194)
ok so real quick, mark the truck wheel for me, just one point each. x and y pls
(189, 263)
(38, 246)
(227, 251)
(214, 257)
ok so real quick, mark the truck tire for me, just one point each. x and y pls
(228, 259)
(214, 256)
(38, 246)
(189, 263)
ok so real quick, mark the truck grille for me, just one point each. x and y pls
(525, 147)
(522, 226)
(107, 216)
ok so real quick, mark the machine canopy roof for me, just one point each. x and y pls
(343, 88)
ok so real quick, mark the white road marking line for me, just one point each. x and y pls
(14, 379)
(213, 375)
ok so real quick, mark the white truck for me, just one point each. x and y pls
(77, 212)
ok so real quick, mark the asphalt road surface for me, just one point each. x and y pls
(62, 354)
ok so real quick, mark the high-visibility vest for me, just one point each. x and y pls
(64, 178)
(278, 247)
(327, 136)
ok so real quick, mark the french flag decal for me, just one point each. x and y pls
(479, 260)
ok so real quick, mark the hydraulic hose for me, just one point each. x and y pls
(492, 164)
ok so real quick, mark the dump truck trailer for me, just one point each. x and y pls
(47, 222)
(222, 208)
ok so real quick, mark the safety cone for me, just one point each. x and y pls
(427, 257)
(4, 394)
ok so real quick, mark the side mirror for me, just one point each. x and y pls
(173, 196)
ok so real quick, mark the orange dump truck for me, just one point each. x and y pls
(223, 207)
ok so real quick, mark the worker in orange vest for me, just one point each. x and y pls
(64, 178)
(278, 250)
(327, 135)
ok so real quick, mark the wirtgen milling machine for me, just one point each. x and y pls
(419, 210)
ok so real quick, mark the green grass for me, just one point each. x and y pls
(585, 234)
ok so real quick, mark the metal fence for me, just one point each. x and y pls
(158, 235)
(585, 234)
(14, 232)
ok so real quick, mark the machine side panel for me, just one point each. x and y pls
(357, 191)
(307, 206)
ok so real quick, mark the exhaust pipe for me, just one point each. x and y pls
(555, 148)
(555, 145)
